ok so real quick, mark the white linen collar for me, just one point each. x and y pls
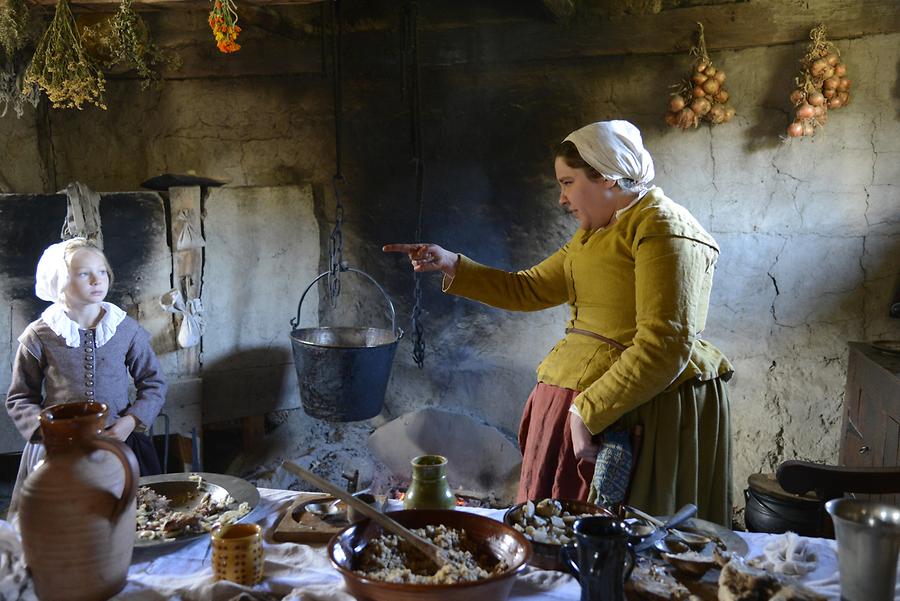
(56, 319)
(636, 200)
(618, 213)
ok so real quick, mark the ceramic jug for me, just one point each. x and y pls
(429, 488)
(77, 513)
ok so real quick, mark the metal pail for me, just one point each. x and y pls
(343, 371)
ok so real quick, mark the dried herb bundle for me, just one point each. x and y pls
(124, 39)
(13, 24)
(61, 67)
(131, 44)
(12, 92)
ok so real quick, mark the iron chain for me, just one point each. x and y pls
(412, 91)
(336, 248)
(336, 239)
(417, 327)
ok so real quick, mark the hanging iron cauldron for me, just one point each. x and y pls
(343, 371)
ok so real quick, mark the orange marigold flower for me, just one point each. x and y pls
(222, 21)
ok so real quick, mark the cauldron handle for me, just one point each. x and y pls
(398, 333)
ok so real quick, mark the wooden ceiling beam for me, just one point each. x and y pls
(733, 26)
(562, 10)
(170, 4)
(274, 21)
(261, 14)
(754, 23)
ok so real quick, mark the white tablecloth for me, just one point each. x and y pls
(303, 573)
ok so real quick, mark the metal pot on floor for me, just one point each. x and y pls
(769, 508)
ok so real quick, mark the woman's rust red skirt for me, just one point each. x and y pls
(549, 465)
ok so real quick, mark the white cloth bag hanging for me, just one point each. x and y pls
(191, 329)
(188, 237)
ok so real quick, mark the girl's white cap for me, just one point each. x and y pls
(52, 273)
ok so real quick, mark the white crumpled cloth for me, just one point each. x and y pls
(823, 577)
(15, 582)
(789, 555)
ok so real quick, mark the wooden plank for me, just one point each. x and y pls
(891, 453)
(286, 40)
(172, 4)
(490, 39)
(562, 10)
(851, 437)
(262, 54)
(727, 27)
(299, 526)
(184, 406)
(277, 22)
(253, 429)
(264, 16)
(871, 398)
(187, 265)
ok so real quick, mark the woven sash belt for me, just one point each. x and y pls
(609, 341)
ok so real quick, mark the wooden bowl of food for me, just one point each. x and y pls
(377, 567)
(548, 525)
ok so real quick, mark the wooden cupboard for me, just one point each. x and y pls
(871, 420)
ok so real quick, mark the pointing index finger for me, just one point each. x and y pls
(401, 248)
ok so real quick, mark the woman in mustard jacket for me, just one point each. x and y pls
(637, 277)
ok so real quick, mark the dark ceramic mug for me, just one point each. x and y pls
(605, 557)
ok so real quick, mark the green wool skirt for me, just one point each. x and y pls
(685, 451)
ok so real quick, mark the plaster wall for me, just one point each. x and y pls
(809, 230)
(260, 244)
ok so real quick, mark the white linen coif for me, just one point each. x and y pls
(52, 272)
(50, 279)
(616, 150)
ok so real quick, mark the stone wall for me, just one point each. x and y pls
(809, 230)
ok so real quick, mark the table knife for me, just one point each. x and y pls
(683, 514)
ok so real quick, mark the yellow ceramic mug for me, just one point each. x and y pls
(237, 553)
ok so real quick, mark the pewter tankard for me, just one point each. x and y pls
(868, 540)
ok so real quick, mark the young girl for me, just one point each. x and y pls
(83, 349)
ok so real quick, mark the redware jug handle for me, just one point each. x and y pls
(132, 471)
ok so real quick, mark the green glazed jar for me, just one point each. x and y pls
(429, 488)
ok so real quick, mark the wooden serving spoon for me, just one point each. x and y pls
(429, 549)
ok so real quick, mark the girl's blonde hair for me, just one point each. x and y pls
(75, 245)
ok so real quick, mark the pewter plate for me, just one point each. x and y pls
(182, 489)
(726, 538)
